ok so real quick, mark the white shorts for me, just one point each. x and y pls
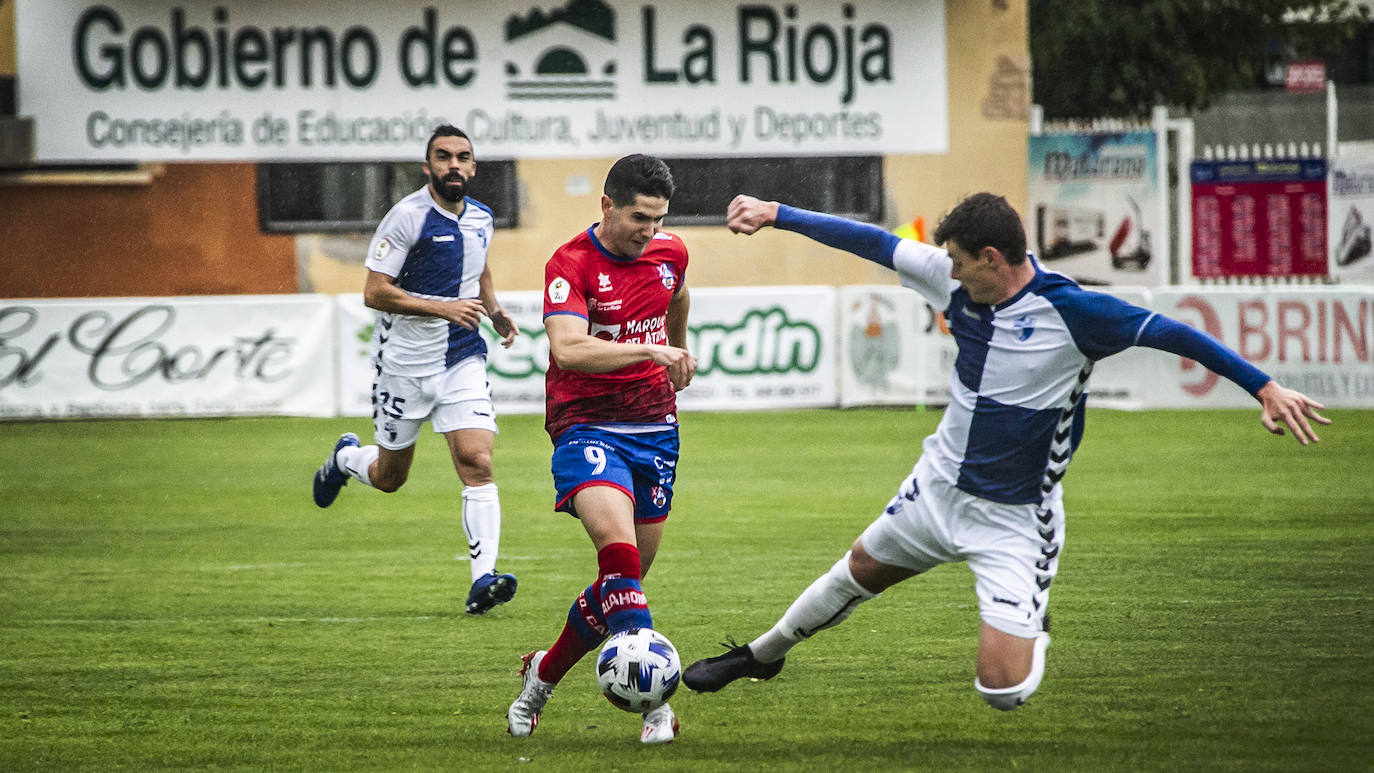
(1013, 553)
(458, 398)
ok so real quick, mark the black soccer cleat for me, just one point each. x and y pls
(712, 674)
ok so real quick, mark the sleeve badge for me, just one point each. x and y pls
(559, 290)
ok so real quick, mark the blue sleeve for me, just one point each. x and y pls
(1101, 324)
(1186, 341)
(867, 241)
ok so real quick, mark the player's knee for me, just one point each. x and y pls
(388, 482)
(474, 469)
(1008, 698)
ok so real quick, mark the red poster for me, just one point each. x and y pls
(1259, 218)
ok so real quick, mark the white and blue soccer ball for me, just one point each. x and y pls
(638, 670)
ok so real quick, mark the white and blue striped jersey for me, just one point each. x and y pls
(433, 254)
(1015, 414)
(1017, 371)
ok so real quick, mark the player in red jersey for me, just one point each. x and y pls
(615, 310)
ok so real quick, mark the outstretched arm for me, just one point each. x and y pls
(747, 215)
(1279, 404)
(921, 267)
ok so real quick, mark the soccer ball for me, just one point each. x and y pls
(638, 670)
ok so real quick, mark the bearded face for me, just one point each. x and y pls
(449, 167)
(450, 187)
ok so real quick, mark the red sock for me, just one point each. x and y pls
(619, 559)
(563, 655)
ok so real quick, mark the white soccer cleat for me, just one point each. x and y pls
(660, 726)
(523, 715)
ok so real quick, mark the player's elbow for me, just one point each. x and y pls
(372, 298)
(562, 357)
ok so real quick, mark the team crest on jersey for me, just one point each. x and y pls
(604, 332)
(558, 290)
(603, 282)
(383, 247)
(657, 494)
(1025, 326)
(665, 273)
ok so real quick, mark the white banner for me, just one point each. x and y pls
(161, 80)
(1318, 341)
(893, 349)
(762, 348)
(208, 356)
(890, 344)
(756, 348)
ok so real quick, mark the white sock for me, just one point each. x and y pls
(355, 461)
(824, 604)
(482, 525)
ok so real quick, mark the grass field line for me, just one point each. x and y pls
(356, 562)
(363, 620)
(155, 621)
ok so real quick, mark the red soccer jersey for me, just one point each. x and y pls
(623, 301)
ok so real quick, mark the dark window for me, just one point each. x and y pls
(849, 186)
(337, 196)
(7, 96)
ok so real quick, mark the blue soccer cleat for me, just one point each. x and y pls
(489, 590)
(329, 478)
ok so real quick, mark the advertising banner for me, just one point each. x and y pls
(881, 348)
(1259, 218)
(894, 349)
(1351, 216)
(161, 80)
(1094, 207)
(756, 348)
(97, 357)
(1318, 341)
(762, 348)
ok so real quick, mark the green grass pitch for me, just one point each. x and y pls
(171, 598)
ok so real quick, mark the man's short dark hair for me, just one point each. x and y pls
(985, 220)
(641, 175)
(444, 130)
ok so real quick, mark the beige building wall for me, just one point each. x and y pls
(8, 65)
(989, 102)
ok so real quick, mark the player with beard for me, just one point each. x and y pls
(615, 309)
(429, 282)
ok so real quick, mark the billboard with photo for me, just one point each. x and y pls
(1351, 217)
(1093, 209)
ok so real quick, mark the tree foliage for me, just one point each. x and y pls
(1119, 58)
